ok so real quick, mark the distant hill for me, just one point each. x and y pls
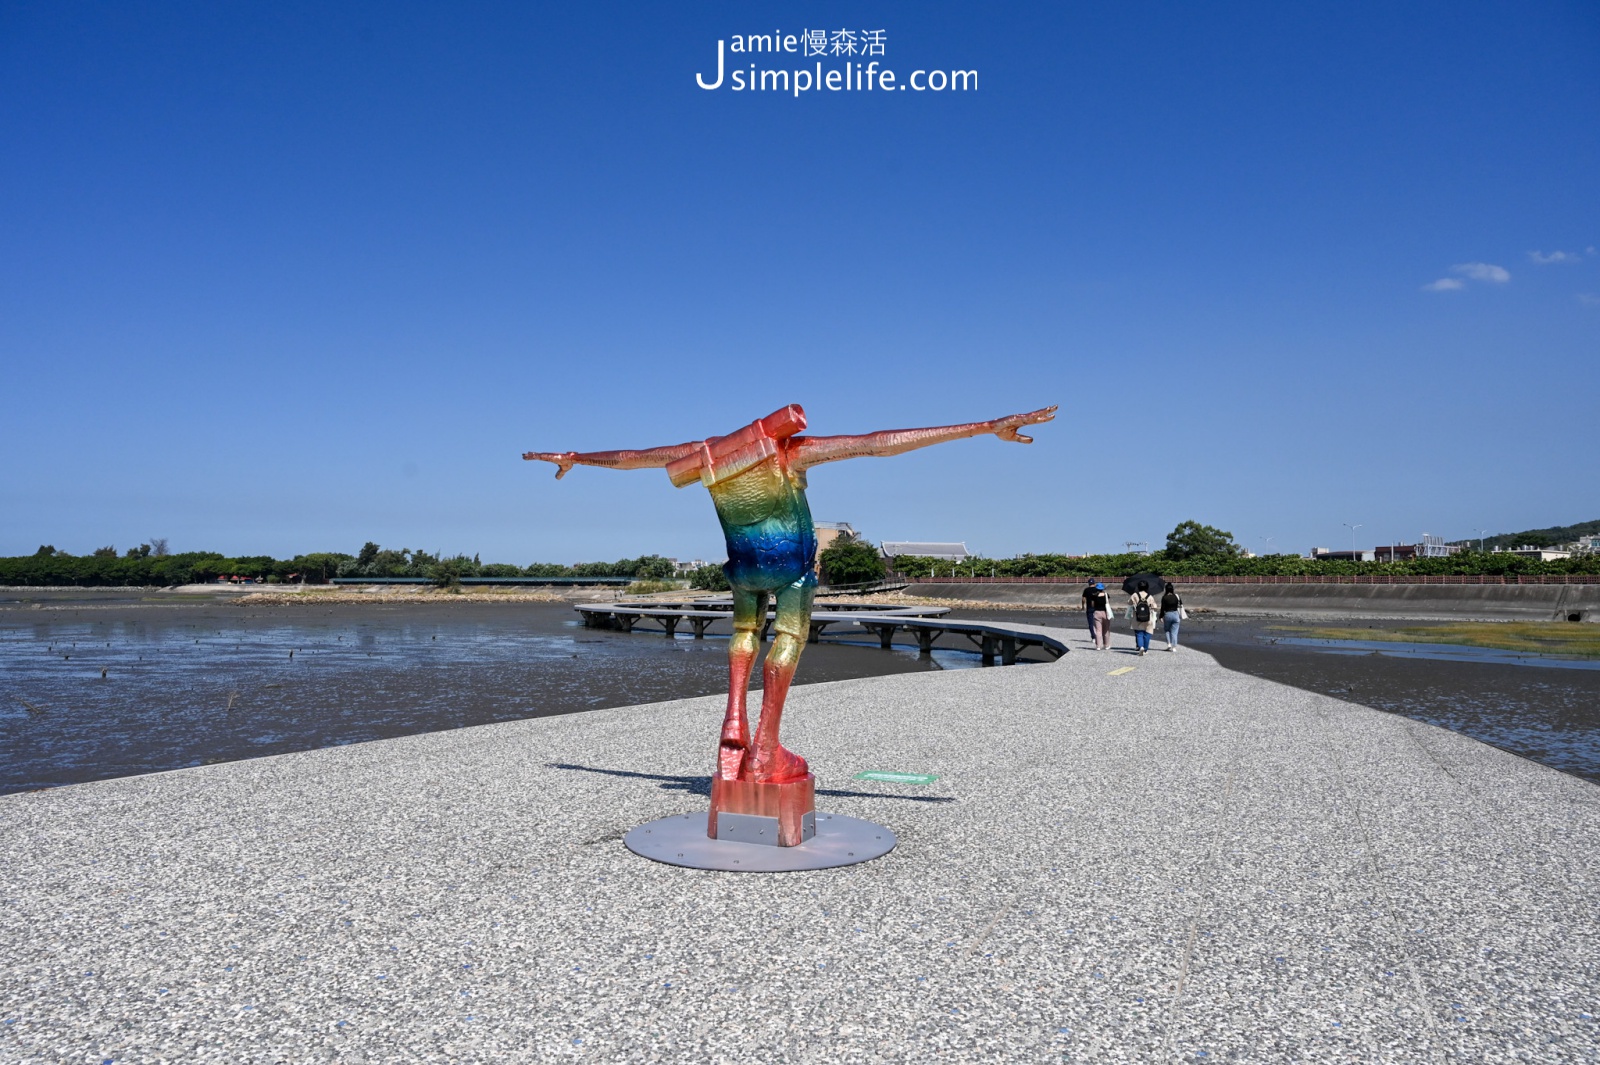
(1559, 534)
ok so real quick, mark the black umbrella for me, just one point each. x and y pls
(1157, 585)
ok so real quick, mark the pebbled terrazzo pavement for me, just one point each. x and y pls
(1176, 864)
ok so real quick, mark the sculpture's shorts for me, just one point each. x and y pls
(762, 558)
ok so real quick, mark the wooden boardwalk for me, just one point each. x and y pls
(994, 640)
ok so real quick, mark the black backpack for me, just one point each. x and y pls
(1141, 609)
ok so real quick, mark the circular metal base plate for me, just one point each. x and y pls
(682, 840)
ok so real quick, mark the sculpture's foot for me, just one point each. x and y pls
(774, 766)
(783, 813)
(735, 745)
(730, 759)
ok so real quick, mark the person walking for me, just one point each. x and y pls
(1171, 615)
(1142, 613)
(1089, 594)
(1100, 610)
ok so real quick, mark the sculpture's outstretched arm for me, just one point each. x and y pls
(648, 459)
(812, 450)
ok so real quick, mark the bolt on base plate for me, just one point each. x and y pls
(681, 840)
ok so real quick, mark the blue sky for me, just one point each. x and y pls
(280, 278)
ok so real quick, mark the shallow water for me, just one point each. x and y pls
(198, 680)
(204, 682)
(1440, 652)
(1541, 707)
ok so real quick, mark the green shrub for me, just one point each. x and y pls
(1466, 563)
(1193, 540)
(709, 578)
(850, 561)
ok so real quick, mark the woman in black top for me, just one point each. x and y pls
(1171, 615)
(1101, 612)
(1089, 595)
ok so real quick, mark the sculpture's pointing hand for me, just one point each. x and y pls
(564, 460)
(1006, 428)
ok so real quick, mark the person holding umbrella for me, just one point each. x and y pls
(1143, 607)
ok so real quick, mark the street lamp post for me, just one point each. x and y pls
(1352, 529)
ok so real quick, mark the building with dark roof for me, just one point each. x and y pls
(945, 552)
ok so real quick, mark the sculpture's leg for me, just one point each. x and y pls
(768, 762)
(749, 611)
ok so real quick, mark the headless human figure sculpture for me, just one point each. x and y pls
(757, 480)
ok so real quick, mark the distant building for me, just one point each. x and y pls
(1584, 545)
(683, 569)
(1429, 547)
(1543, 554)
(1324, 555)
(1435, 547)
(829, 531)
(892, 549)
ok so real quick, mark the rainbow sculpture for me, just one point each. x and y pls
(757, 479)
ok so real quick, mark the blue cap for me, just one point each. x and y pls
(1101, 587)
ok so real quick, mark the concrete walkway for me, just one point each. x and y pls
(1172, 864)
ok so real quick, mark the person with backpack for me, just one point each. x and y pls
(1100, 610)
(1142, 612)
(1171, 615)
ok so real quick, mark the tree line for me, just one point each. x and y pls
(1196, 550)
(1192, 549)
(1484, 563)
(143, 567)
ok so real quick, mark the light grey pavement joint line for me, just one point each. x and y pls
(1382, 887)
(1178, 864)
(983, 934)
(1203, 901)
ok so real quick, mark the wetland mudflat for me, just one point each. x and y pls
(1549, 639)
(1543, 708)
(108, 683)
(192, 680)
(1539, 706)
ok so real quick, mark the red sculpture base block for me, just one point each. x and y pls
(784, 814)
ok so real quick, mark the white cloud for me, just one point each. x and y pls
(1498, 275)
(1444, 284)
(1589, 299)
(1544, 259)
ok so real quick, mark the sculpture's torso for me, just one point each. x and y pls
(771, 539)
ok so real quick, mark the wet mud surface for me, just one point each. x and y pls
(1549, 713)
(190, 682)
(1547, 710)
(193, 681)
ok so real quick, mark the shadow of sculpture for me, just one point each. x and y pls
(698, 785)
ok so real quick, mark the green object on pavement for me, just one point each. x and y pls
(897, 778)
